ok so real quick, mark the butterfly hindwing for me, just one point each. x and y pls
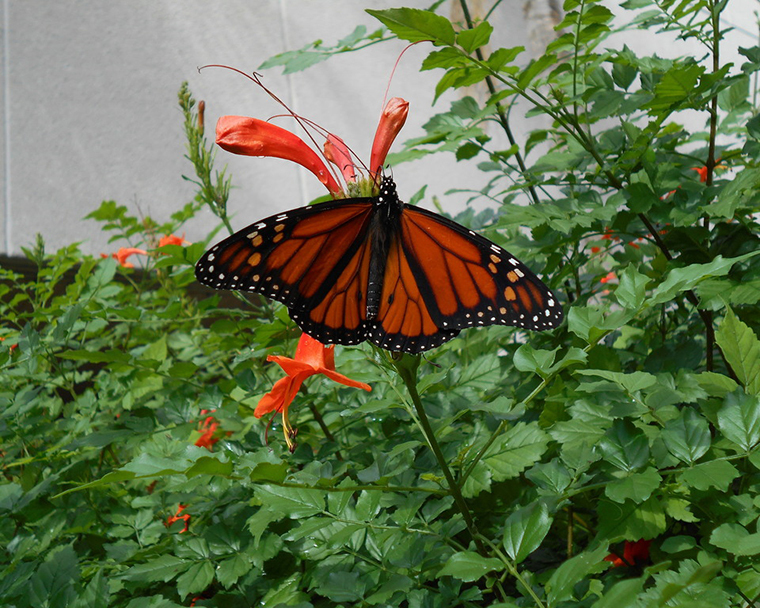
(466, 280)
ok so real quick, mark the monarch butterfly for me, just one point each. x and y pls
(377, 269)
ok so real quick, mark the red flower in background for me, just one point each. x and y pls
(633, 552)
(312, 357)
(170, 239)
(207, 429)
(611, 276)
(177, 517)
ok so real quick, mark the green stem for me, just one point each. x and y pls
(503, 119)
(408, 374)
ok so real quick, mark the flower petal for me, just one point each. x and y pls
(391, 121)
(337, 152)
(253, 137)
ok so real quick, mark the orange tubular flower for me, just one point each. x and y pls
(123, 254)
(253, 137)
(312, 357)
(391, 121)
(171, 239)
(610, 277)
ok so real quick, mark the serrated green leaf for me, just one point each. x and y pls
(681, 279)
(293, 502)
(742, 350)
(163, 568)
(560, 585)
(473, 39)
(630, 520)
(416, 25)
(636, 487)
(525, 529)
(739, 420)
(621, 595)
(687, 437)
(469, 566)
(516, 450)
(196, 579)
(713, 474)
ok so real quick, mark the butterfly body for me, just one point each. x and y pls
(376, 269)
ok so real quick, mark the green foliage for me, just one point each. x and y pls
(502, 468)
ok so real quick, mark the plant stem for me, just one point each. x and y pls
(503, 119)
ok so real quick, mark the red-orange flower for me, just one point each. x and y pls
(391, 120)
(312, 357)
(170, 239)
(610, 277)
(253, 137)
(176, 517)
(632, 552)
(123, 254)
(207, 429)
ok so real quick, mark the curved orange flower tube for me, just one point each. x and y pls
(254, 137)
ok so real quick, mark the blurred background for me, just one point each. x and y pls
(88, 96)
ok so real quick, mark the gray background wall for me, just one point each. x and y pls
(88, 103)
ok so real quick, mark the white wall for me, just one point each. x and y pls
(88, 100)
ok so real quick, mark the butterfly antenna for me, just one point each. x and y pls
(302, 122)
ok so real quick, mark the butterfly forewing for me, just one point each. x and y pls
(295, 258)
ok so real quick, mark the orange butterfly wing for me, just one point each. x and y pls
(441, 277)
(315, 260)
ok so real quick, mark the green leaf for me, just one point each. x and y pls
(687, 437)
(416, 25)
(739, 420)
(156, 351)
(713, 474)
(625, 446)
(636, 487)
(514, 451)
(196, 579)
(676, 544)
(742, 350)
(621, 595)
(675, 86)
(230, 570)
(527, 359)
(632, 288)
(560, 586)
(293, 502)
(525, 529)
(469, 566)
(163, 568)
(473, 39)
(630, 520)
(681, 279)
(736, 539)
(52, 585)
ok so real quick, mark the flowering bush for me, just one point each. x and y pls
(612, 462)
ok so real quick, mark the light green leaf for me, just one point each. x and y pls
(713, 474)
(621, 595)
(469, 566)
(473, 39)
(163, 568)
(687, 437)
(632, 288)
(196, 579)
(518, 448)
(525, 529)
(630, 520)
(637, 487)
(736, 539)
(739, 420)
(416, 25)
(560, 586)
(742, 350)
(681, 279)
(293, 502)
